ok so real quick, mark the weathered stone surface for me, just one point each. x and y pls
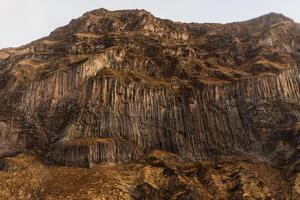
(157, 176)
(147, 84)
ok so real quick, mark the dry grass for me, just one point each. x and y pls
(50, 42)
(3, 55)
(27, 178)
(87, 141)
(29, 70)
(88, 35)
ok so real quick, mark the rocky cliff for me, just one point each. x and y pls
(113, 86)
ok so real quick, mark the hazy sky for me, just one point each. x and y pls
(22, 21)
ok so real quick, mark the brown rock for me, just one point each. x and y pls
(111, 87)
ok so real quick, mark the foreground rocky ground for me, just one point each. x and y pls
(157, 176)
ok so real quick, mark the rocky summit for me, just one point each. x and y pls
(124, 105)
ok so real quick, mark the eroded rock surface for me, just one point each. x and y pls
(111, 87)
(156, 176)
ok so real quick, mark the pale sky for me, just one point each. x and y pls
(22, 21)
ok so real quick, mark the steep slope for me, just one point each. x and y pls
(113, 86)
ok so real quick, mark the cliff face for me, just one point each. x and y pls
(111, 122)
(113, 86)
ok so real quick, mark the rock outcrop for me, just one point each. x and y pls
(111, 87)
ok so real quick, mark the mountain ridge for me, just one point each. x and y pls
(163, 29)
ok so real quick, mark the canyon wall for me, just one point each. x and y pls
(103, 120)
(113, 86)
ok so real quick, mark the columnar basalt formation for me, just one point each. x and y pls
(114, 85)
